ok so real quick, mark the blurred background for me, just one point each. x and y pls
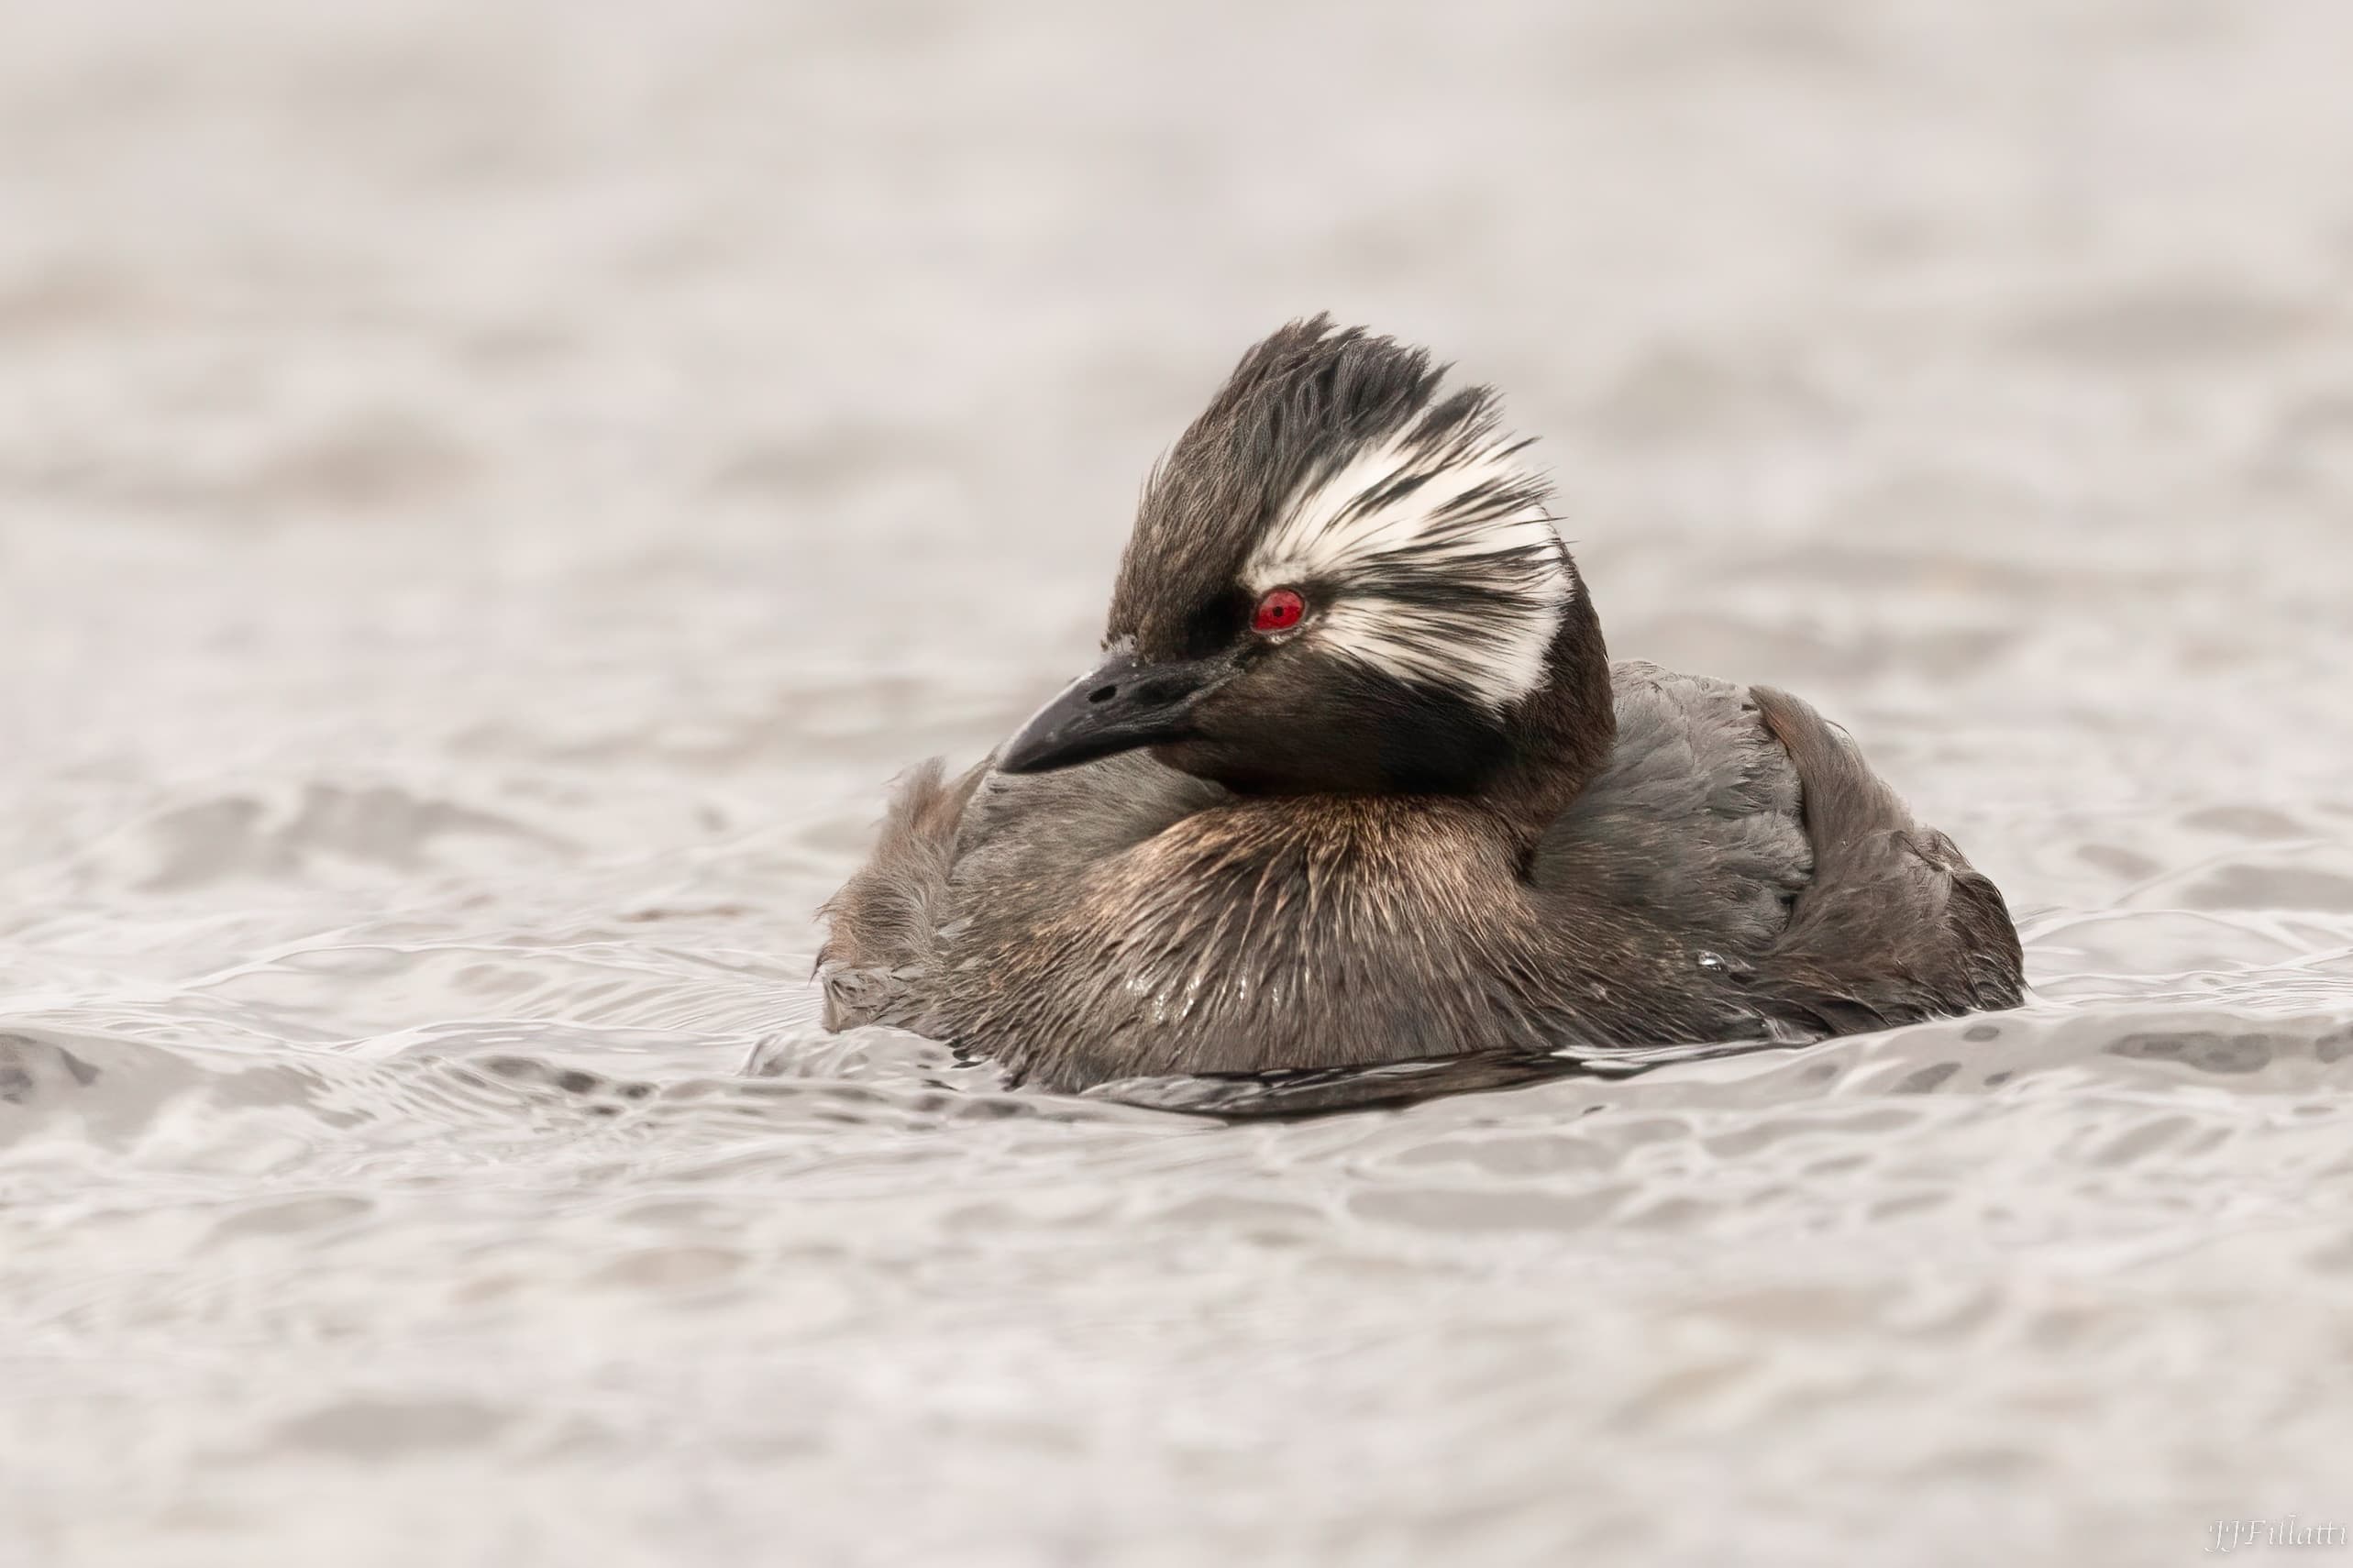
(490, 493)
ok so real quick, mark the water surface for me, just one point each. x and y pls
(488, 495)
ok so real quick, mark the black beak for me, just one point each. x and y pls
(1123, 704)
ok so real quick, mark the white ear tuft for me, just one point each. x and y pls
(1437, 559)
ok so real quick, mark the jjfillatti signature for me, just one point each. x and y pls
(2230, 1535)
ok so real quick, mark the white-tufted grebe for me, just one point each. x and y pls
(1356, 783)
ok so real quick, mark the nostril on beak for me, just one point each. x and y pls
(1102, 693)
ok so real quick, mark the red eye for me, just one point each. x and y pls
(1279, 611)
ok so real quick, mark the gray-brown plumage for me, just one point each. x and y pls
(1357, 783)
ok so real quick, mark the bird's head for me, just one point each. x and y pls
(1344, 577)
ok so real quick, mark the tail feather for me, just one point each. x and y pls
(1897, 925)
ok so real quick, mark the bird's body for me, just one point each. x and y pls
(1397, 803)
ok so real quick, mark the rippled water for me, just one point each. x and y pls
(488, 494)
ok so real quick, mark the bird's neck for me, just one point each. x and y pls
(1561, 734)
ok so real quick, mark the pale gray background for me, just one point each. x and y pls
(488, 494)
